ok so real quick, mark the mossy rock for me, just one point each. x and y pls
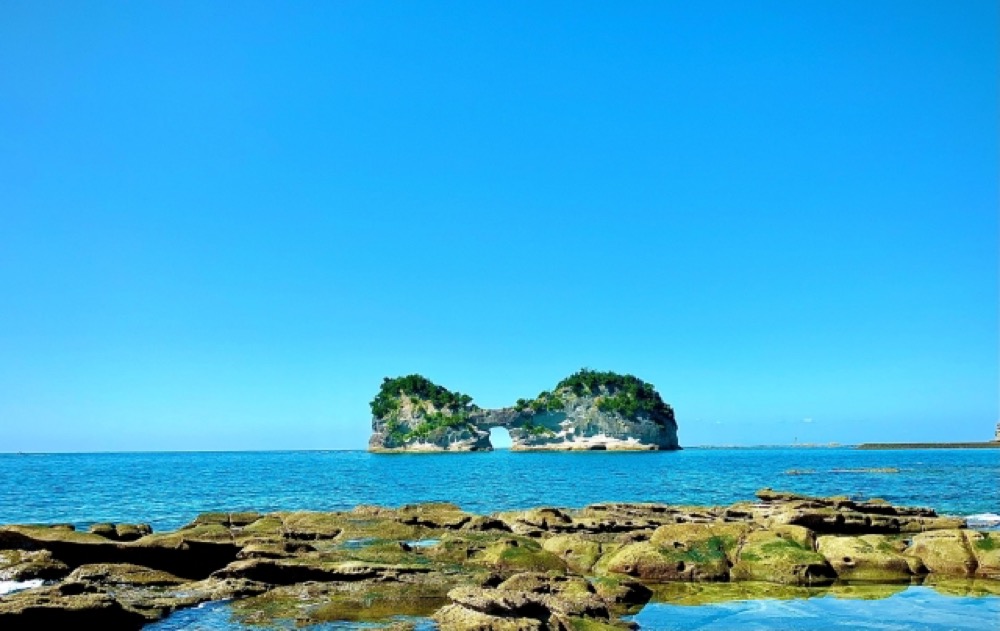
(765, 556)
(16, 536)
(389, 553)
(944, 552)
(590, 624)
(719, 535)
(514, 555)
(455, 550)
(458, 618)
(49, 608)
(548, 583)
(312, 568)
(649, 562)
(132, 532)
(485, 523)
(866, 558)
(310, 526)
(621, 594)
(106, 530)
(434, 515)
(800, 535)
(243, 518)
(274, 549)
(317, 603)
(677, 552)
(536, 520)
(922, 524)
(267, 527)
(27, 565)
(215, 533)
(123, 574)
(985, 547)
(205, 519)
(579, 554)
(357, 527)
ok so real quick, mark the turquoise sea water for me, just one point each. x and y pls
(169, 489)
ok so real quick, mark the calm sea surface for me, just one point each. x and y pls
(169, 489)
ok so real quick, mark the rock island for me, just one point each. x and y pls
(588, 410)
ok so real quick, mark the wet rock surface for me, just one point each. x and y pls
(543, 568)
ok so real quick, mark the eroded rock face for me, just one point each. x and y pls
(543, 568)
(587, 411)
(528, 601)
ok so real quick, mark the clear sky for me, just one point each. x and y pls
(221, 224)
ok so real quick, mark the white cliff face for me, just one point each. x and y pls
(418, 426)
(582, 425)
(579, 424)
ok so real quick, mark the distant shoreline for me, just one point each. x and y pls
(987, 445)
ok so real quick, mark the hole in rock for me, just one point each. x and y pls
(500, 438)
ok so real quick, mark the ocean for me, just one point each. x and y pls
(168, 490)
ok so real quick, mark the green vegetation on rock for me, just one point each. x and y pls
(623, 394)
(544, 402)
(987, 544)
(436, 407)
(533, 429)
(387, 402)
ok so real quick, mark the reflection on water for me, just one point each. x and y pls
(218, 617)
(949, 606)
(713, 593)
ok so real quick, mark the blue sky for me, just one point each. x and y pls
(221, 225)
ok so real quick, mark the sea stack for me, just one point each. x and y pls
(588, 410)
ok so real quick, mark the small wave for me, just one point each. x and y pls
(9, 587)
(983, 520)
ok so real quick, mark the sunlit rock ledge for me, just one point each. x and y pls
(587, 411)
(542, 568)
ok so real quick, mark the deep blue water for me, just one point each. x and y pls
(169, 489)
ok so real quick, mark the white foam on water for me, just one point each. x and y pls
(9, 587)
(983, 520)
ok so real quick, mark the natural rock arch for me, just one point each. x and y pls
(586, 411)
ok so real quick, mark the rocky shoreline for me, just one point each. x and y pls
(543, 568)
